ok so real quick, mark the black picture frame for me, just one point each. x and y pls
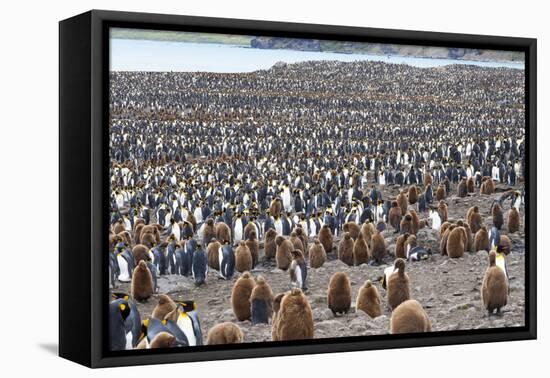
(83, 182)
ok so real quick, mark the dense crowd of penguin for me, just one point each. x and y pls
(287, 167)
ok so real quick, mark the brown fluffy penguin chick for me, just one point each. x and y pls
(240, 296)
(125, 237)
(498, 216)
(360, 251)
(261, 302)
(474, 219)
(456, 242)
(462, 189)
(445, 238)
(270, 247)
(250, 226)
(428, 180)
(398, 285)
(118, 227)
(224, 333)
(213, 251)
(294, 318)
(164, 306)
(296, 241)
(443, 228)
(469, 238)
(223, 233)
(276, 307)
(283, 255)
(345, 249)
(303, 237)
(487, 186)
(481, 240)
(513, 220)
(353, 229)
(494, 288)
(208, 231)
(403, 202)
(406, 225)
(317, 254)
(505, 244)
(415, 221)
(367, 229)
(339, 293)
(413, 194)
(470, 185)
(400, 246)
(409, 317)
(378, 247)
(142, 282)
(326, 238)
(243, 258)
(140, 253)
(368, 300)
(394, 215)
(443, 211)
(440, 193)
(254, 246)
(163, 340)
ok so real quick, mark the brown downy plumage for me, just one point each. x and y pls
(494, 288)
(403, 202)
(224, 333)
(283, 255)
(317, 254)
(378, 247)
(368, 300)
(481, 240)
(270, 247)
(474, 219)
(400, 251)
(339, 293)
(394, 215)
(353, 229)
(164, 306)
(345, 249)
(240, 296)
(294, 318)
(326, 238)
(243, 258)
(360, 251)
(254, 246)
(398, 285)
(409, 317)
(457, 242)
(213, 254)
(498, 216)
(513, 220)
(208, 231)
(142, 282)
(223, 233)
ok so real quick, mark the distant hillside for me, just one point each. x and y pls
(385, 49)
(175, 36)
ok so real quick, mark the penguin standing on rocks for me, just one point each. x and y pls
(240, 296)
(261, 302)
(317, 254)
(298, 270)
(368, 300)
(494, 288)
(226, 260)
(398, 285)
(294, 319)
(199, 268)
(339, 293)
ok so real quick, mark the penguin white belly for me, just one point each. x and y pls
(124, 275)
(279, 227)
(198, 214)
(298, 273)
(200, 232)
(127, 225)
(312, 229)
(238, 231)
(186, 325)
(129, 338)
(176, 231)
(220, 260)
(286, 199)
(382, 180)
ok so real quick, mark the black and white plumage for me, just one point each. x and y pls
(226, 259)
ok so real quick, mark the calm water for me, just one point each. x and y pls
(140, 55)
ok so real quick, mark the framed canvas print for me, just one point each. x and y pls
(234, 188)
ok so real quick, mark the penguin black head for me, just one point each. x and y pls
(187, 306)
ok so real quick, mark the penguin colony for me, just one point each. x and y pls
(206, 180)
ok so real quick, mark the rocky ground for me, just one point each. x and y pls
(449, 289)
